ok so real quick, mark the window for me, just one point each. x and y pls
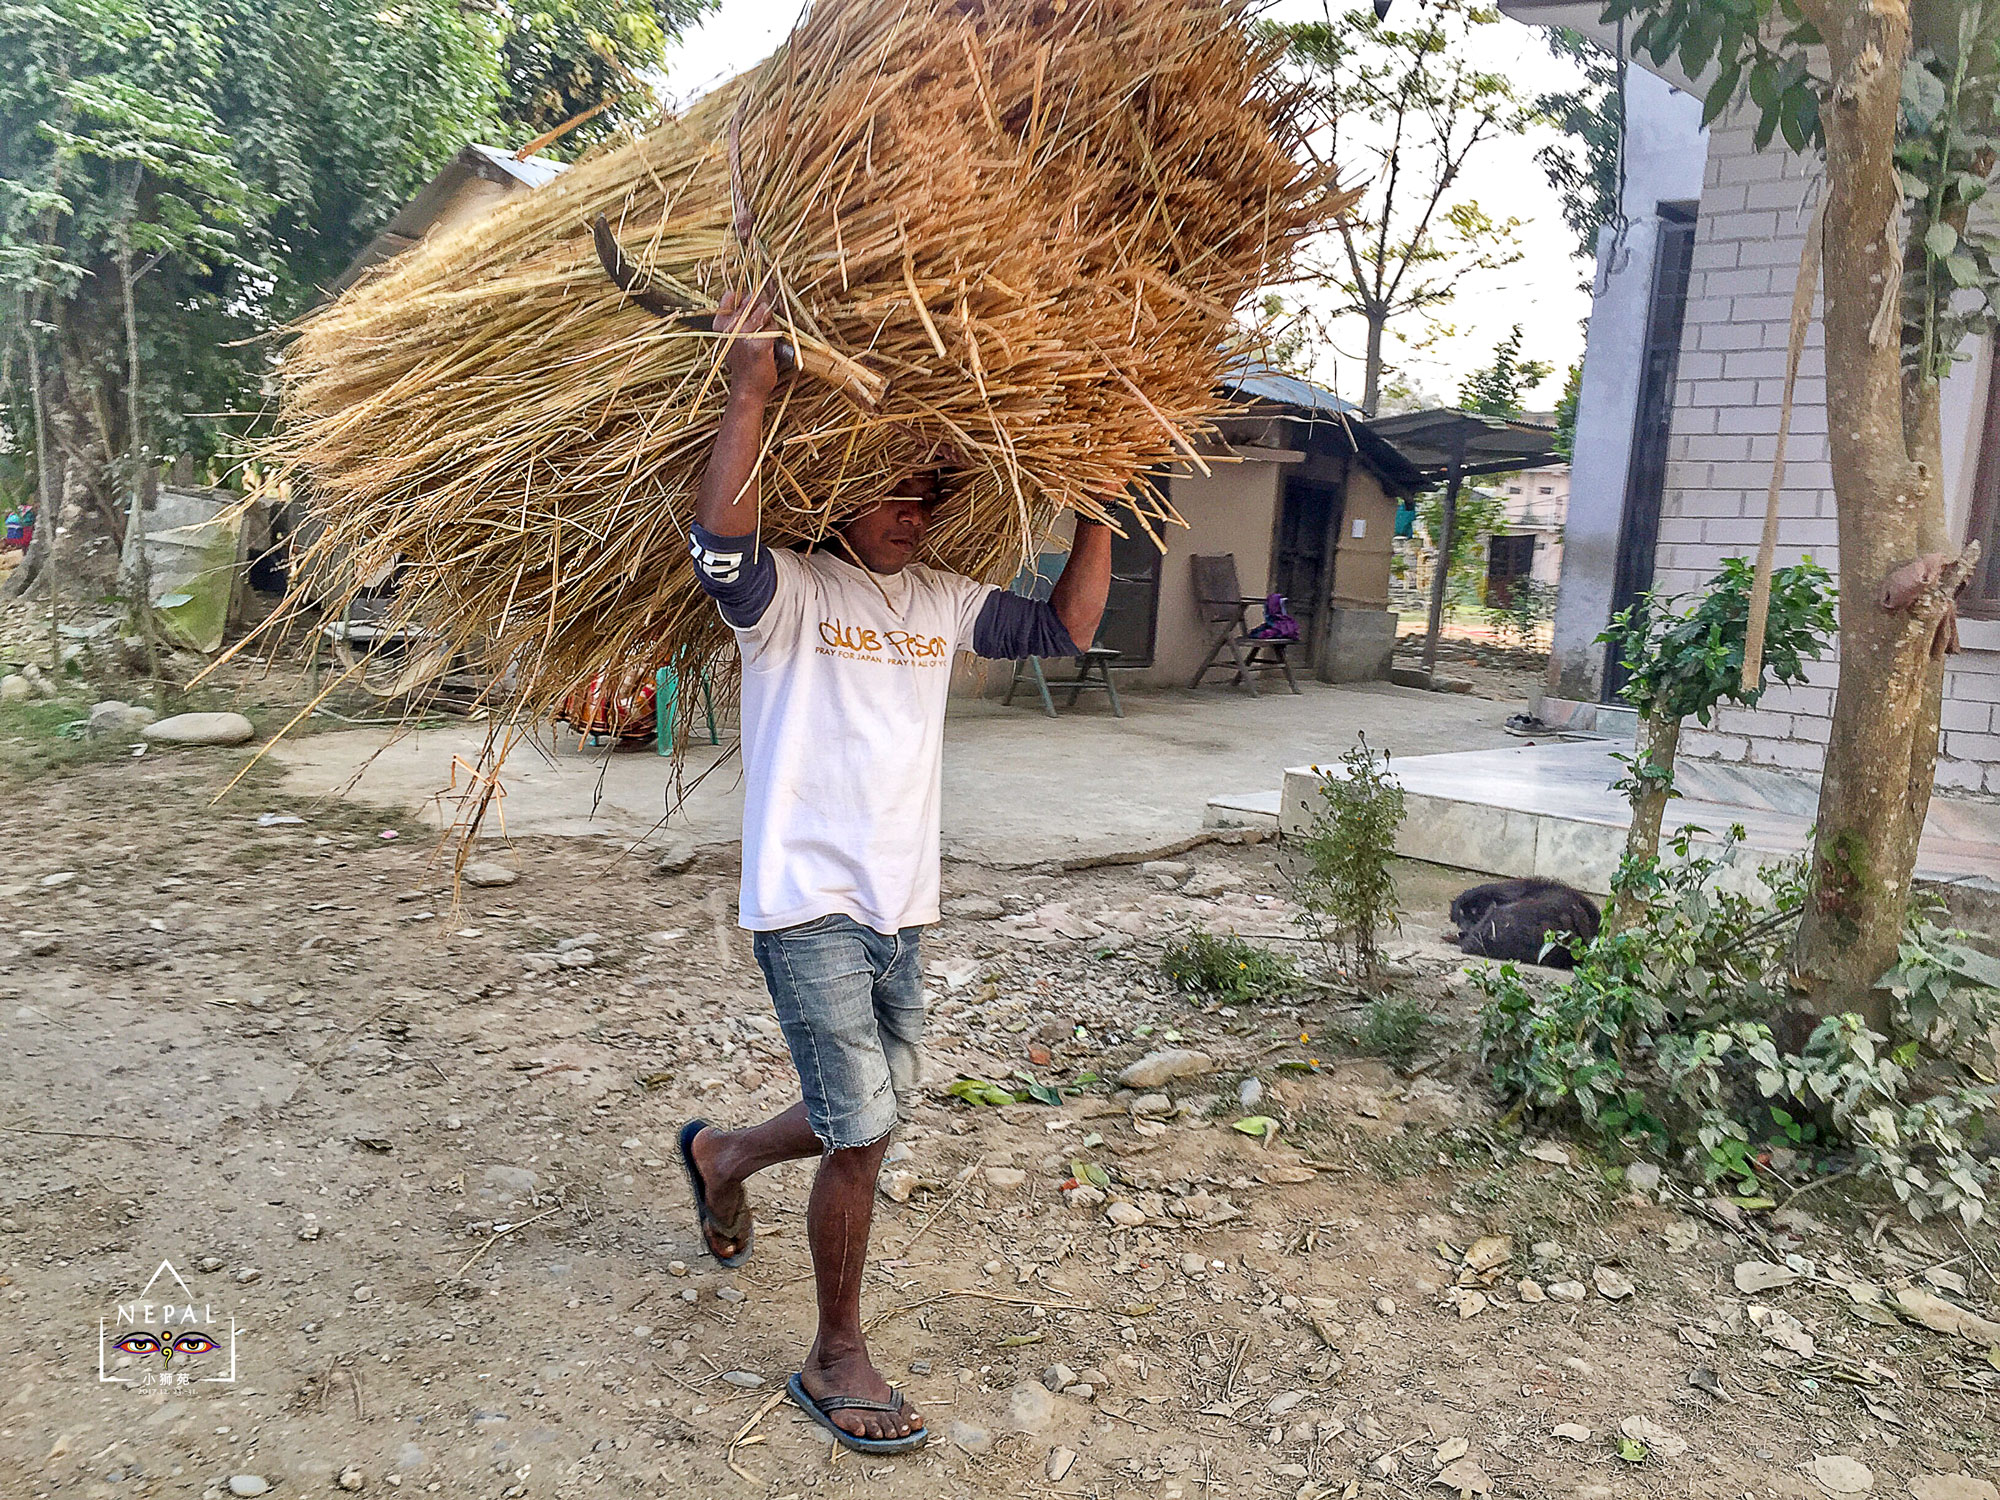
(1982, 597)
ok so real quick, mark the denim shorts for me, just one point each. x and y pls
(851, 1003)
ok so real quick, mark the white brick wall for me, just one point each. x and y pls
(1726, 400)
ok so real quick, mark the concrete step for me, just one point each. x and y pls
(1549, 810)
(1257, 810)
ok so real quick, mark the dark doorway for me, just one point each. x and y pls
(1509, 559)
(1646, 476)
(1132, 608)
(1306, 523)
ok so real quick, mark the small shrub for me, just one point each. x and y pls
(1529, 605)
(1227, 967)
(1341, 867)
(1395, 1027)
(1663, 1042)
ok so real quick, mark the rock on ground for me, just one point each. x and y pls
(1030, 1407)
(1952, 1487)
(976, 908)
(111, 718)
(488, 873)
(1164, 1066)
(201, 729)
(678, 856)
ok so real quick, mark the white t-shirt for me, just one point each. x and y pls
(844, 682)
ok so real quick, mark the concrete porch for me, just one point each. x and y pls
(1549, 810)
(1019, 788)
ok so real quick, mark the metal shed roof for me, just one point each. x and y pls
(1261, 381)
(1444, 438)
(415, 218)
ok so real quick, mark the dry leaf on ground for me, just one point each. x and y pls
(1934, 1312)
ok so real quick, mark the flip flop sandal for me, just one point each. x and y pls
(822, 1413)
(706, 1220)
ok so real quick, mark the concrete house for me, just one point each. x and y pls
(1678, 414)
(1303, 494)
(1530, 545)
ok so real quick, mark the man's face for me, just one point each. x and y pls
(888, 536)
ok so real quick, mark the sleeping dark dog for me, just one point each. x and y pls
(1512, 919)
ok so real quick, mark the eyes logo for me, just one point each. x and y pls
(178, 1330)
(166, 1343)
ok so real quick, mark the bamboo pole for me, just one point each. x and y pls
(1767, 548)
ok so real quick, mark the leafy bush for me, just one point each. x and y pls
(1227, 967)
(1393, 1026)
(1340, 869)
(1688, 662)
(1663, 1042)
(1529, 605)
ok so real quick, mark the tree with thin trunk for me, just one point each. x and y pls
(1685, 663)
(1408, 100)
(1899, 101)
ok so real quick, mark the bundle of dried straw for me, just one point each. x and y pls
(1011, 230)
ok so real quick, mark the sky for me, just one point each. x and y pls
(1542, 292)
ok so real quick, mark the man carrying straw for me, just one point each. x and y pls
(847, 654)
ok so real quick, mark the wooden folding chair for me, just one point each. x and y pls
(1225, 607)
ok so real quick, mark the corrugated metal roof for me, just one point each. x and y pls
(1262, 381)
(1443, 437)
(533, 172)
(414, 219)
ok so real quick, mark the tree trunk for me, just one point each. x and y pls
(138, 576)
(1883, 749)
(1371, 370)
(1659, 741)
(40, 556)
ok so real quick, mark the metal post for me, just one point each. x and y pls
(1438, 574)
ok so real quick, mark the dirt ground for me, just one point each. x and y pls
(1502, 673)
(420, 1157)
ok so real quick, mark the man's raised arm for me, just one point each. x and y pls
(1079, 594)
(1013, 625)
(737, 573)
(726, 504)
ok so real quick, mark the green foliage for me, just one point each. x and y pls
(1566, 413)
(1947, 147)
(1687, 662)
(1945, 152)
(560, 58)
(986, 1092)
(1341, 867)
(1228, 968)
(1583, 168)
(1496, 390)
(1662, 1042)
(1404, 106)
(247, 151)
(1948, 993)
(1481, 513)
(1287, 341)
(1529, 605)
(1393, 1026)
(1760, 51)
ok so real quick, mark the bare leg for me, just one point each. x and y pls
(837, 1223)
(725, 1158)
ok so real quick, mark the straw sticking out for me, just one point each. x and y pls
(1025, 223)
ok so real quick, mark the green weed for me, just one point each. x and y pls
(1228, 968)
